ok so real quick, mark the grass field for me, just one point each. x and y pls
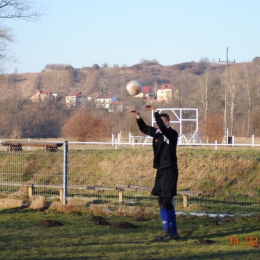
(79, 237)
(229, 177)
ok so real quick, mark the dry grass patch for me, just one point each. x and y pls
(100, 209)
(39, 203)
(13, 203)
(66, 209)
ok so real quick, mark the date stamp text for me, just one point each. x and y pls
(248, 240)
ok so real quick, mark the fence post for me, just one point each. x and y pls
(61, 194)
(129, 138)
(120, 194)
(185, 201)
(253, 140)
(118, 138)
(30, 191)
(216, 145)
(226, 141)
(233, 140)
(65, 173)
(113, 139)
(28, 147)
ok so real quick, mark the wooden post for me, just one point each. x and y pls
(185, 201)
(30, 191)
(120, 194)
(61, 194)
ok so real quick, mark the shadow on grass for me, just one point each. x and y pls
(234, 254)
(222, 234)
(16, 210)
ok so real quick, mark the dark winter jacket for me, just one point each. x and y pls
(164, 142)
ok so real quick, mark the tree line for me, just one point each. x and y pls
(48, 119)
(201, 85)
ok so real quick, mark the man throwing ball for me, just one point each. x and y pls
(165, 161)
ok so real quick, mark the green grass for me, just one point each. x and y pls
(79, 238)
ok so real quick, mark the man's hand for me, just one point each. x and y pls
(151, 107)
(136, 113)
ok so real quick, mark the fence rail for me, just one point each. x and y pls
(226, 177)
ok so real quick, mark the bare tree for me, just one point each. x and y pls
(184, 81)
(247, 83)
(232, 94)
(19, 10)
(6, 38)
(202, 97)
(212, 129)
(255, 122)
(85, 126)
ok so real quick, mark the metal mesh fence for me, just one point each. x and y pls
(228, 176)
(212, 178)
(30, 167)
(108, 169)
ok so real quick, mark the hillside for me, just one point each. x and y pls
(201, 85)
(89, 79)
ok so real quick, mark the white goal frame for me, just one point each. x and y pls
(183, 138)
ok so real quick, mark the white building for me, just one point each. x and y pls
(75, 99)
(105, 100)
(94, 95)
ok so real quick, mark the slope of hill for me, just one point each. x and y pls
(89, 79)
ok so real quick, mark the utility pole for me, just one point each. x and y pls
(225, 110)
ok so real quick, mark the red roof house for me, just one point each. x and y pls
(75, 99)
(41, 95)
(145, 92)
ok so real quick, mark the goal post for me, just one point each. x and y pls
(185, 121)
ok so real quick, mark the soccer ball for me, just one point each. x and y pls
(133, 87)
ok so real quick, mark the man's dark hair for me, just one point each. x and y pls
(165, 116)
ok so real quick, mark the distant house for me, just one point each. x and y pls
(75, 99)
(94, 95)
(145, 92)
(104, 101)
(116, 106)
(41, 95)
(164, 93)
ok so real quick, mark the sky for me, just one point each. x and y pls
(81, 33)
